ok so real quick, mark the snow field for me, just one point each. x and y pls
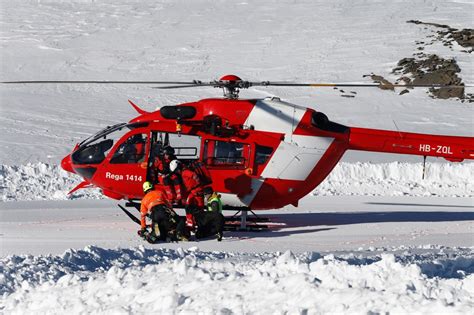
(139, 280)
(40, 181)
(306, 40)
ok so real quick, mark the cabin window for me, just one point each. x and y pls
(226, 154)
(186, 147)
(262, 154)
(131, 151)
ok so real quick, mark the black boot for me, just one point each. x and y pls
(151, 238)
(172, 236)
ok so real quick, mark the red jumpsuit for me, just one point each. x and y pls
(171, 181)
(195, 198)
(140, 149)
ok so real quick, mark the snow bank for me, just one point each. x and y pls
(40, 181)
(49, 182)
(161, 280)
(398, 179)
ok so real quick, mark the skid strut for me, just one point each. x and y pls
(245, 222)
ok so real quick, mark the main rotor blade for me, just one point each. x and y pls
(238, 84)
(179, 86)
(357, 85)
(98, 82)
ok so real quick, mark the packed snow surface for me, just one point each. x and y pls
(347, 254)
(372, 238)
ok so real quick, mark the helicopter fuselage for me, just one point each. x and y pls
(260, 154)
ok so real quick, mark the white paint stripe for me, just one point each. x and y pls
(233, 200)
(256, 185)
(275, 116)
(312, 142)
(296, 160)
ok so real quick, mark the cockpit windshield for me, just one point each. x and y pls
(94, 149)
(102, 133)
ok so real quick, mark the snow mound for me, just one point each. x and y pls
(189, 281)
(40, 181)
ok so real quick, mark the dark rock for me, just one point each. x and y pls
(384, 84)
(448, 35)
(432, 70)
(405, 61)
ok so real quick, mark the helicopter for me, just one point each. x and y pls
(260, 153)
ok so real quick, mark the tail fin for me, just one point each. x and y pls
(138, 109)
(454, 149)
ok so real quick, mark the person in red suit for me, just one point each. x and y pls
(170, 180)
(194, 200)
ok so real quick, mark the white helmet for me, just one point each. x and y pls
(174, 164)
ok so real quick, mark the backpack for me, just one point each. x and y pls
(201, 171)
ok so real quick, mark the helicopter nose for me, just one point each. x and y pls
(66, 164)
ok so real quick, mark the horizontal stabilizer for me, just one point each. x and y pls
(83, 184)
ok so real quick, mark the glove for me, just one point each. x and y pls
(142, 233)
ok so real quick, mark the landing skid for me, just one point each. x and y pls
(131, 216)
(240, 221)
(244, 222)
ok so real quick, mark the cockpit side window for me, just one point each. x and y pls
(131, 151)
(95, 151)
(93, 154)
(95, 148)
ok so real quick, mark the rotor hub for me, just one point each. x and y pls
(230, 77)
(231, 85)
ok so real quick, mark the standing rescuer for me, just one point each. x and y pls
(165, 222)
(195, 200)
(170, 181)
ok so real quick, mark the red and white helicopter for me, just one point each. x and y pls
(260, 153)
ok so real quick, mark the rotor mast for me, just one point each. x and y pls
(231, 85)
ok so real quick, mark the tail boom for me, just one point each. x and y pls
(452, 148)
